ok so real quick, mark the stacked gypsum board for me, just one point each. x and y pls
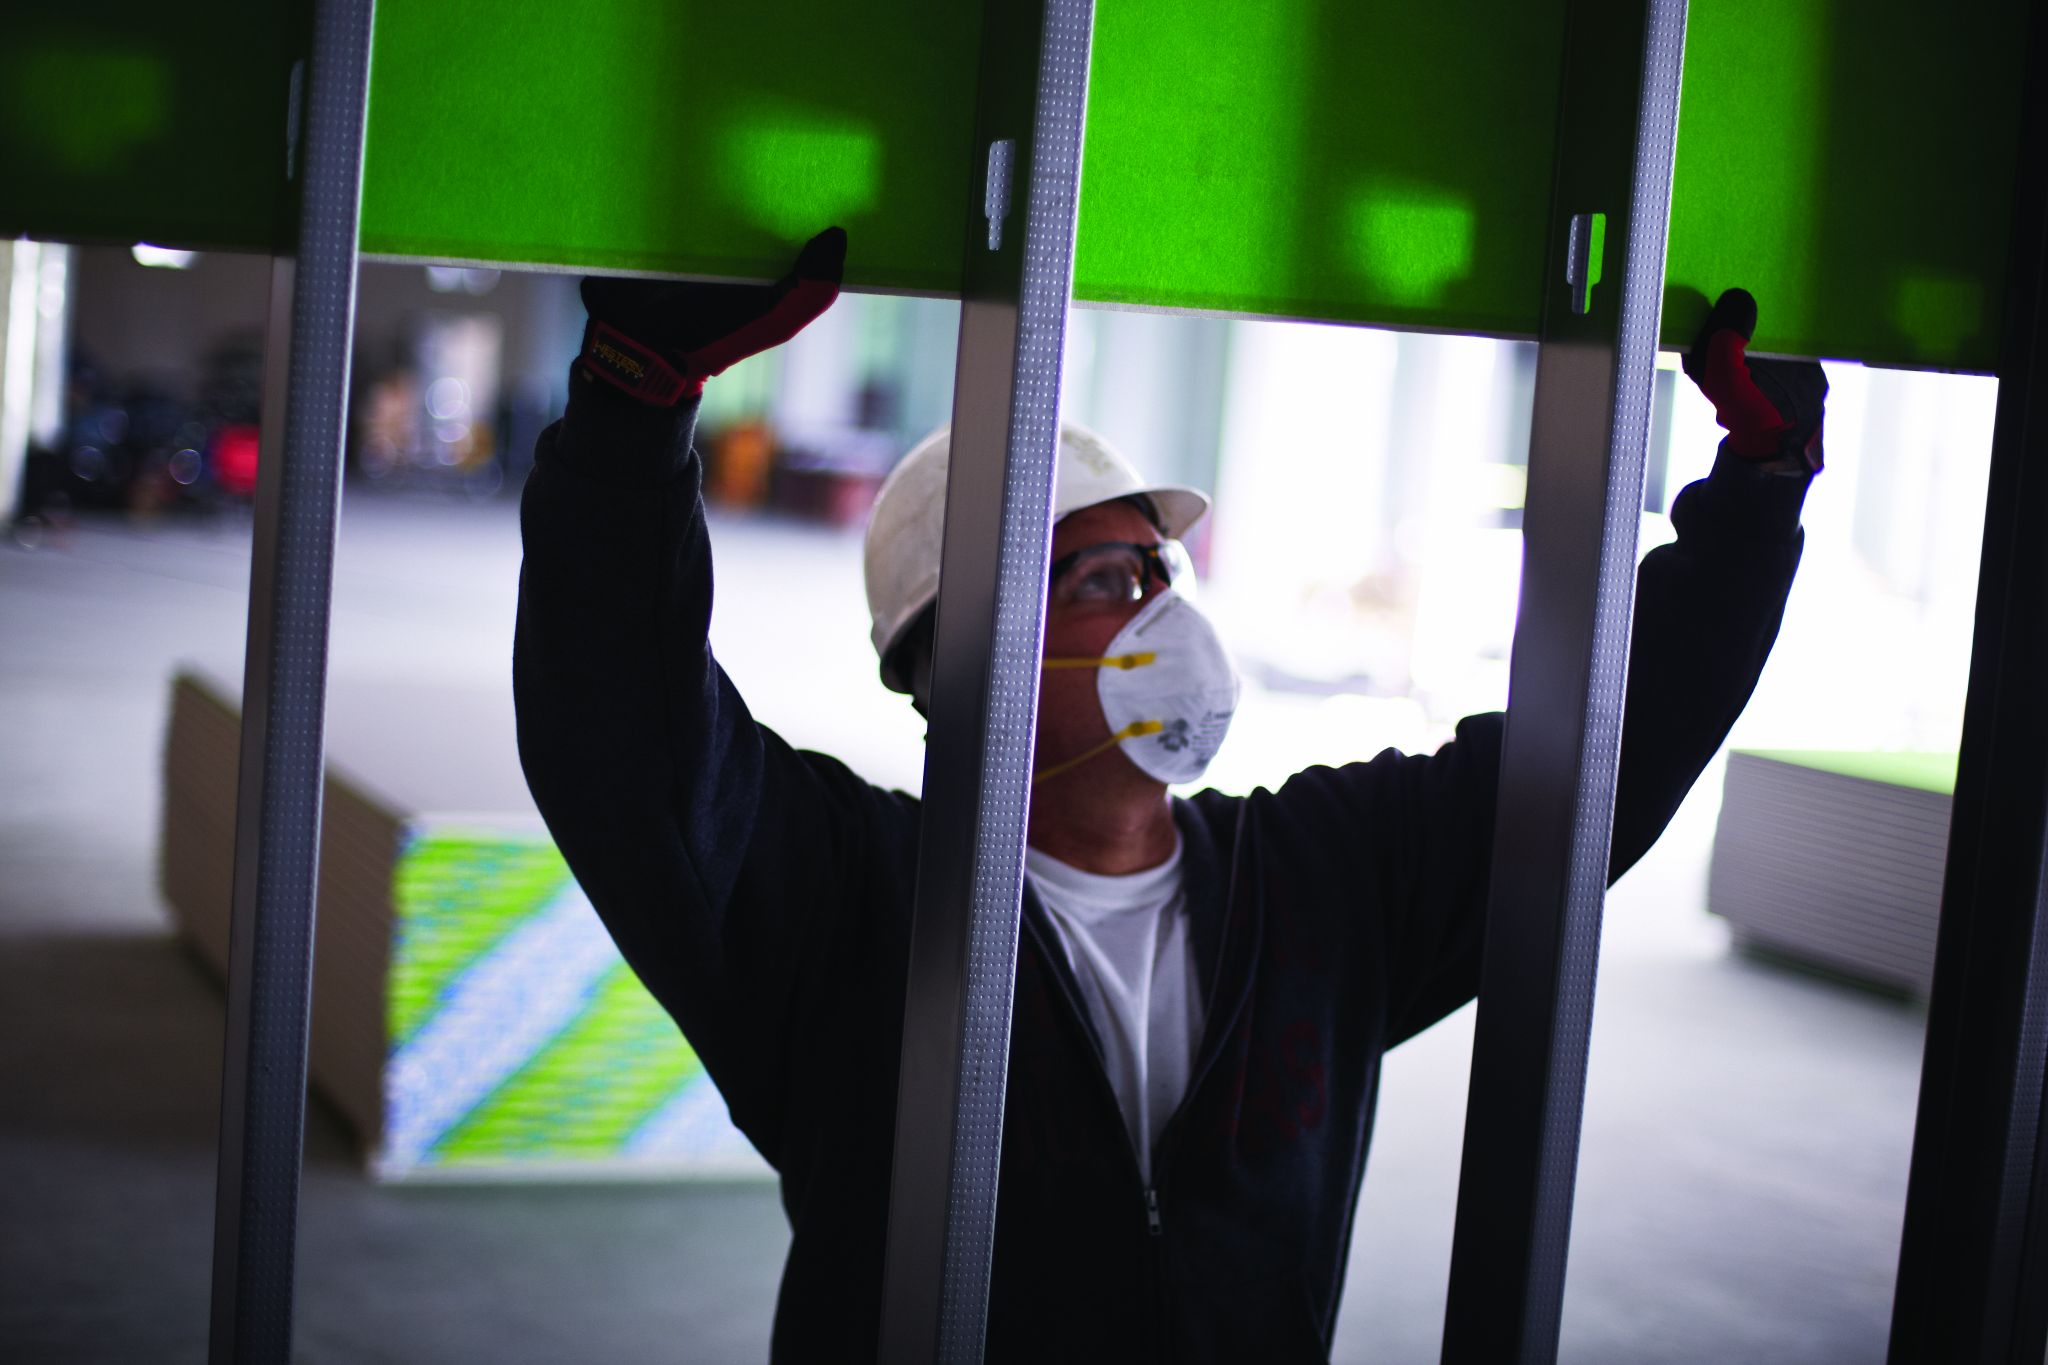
(197, 870)
(471, 1018)
(1835, 860)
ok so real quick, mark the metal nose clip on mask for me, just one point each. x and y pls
(1168, 691)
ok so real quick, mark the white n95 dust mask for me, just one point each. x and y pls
(1168, 692)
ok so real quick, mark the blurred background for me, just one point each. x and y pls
(1750, 1110)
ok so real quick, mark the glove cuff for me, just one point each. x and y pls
(608, 438)
(1751, 504)
(616, 359)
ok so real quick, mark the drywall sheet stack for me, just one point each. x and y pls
(1835, 859)
(471, 1017)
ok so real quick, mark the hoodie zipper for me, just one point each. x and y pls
(1207, 1061)
(1079, 1011)
(1162, 1155)
(1155, 1227)
(1155, 1224)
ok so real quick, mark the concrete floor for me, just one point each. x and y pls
(1747, 1128)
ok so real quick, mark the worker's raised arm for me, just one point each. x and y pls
(1707, 612)
(1708, 605)
(644, 761)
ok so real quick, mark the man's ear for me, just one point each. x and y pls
(918, 664)
(921, 680)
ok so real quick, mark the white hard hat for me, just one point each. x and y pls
(902, 553)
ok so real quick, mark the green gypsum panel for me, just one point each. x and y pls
(1380, 163)
(1852, 165)
(1385, 163)
(684, 136)
(124, 121)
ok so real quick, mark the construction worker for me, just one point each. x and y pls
(1204, 986)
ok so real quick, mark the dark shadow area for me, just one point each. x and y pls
(109, 1039)
(109, 1053)
(108, 108)
(110, 1058)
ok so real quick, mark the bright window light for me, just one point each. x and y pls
(162, 257)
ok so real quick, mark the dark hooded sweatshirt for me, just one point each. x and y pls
(763, 894)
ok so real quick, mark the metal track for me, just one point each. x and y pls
(1973, 1266)
(1617, 136)
(986, 651)
(277, 821)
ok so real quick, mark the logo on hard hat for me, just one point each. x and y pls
(1089, 452)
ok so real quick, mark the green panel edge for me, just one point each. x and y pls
(1922, 771)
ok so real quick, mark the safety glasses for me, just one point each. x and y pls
(1118, 572)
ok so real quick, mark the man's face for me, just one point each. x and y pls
(1080, 621)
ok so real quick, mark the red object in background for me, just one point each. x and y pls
(234, 458)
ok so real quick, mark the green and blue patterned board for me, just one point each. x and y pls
(519, 1042)
(1379, 163)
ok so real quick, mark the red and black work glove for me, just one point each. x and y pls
(659, 340)
(1772, 409)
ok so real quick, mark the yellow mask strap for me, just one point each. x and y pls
(1125, 661)
(1131, 731)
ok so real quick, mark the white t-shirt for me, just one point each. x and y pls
(1126, 940)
